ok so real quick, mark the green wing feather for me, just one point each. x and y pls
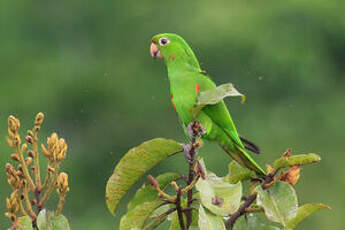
(220, 117)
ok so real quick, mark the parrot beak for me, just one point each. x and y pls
(155, 52)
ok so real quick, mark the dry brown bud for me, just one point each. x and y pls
(292, 175)
(33, 169)
(15, 157)
(200, 170)
(28, 161)
(24, 148)
(31, 153)
(51, 169)
(287, 153)
(9, 168)
(29, 139)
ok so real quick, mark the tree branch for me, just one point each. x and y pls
(179, 210)
(249, 201)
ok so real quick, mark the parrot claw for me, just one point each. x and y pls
(195, 129)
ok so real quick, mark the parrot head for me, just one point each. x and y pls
(171, 47)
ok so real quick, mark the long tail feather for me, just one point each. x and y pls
(245, 160)
(250, 145)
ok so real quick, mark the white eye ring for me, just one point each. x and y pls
(163, 41)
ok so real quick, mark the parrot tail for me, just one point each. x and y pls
(242, 157)
(250, 145)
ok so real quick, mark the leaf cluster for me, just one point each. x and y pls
(202, 200)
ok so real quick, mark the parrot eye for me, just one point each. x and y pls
(163, 41)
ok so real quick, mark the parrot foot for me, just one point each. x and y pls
(195, 129)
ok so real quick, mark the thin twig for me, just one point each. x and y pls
(189, 182)
(51, 187)
(242, 210)
(47, 178)
(25, 168)
(37, 164)
(179, 210)
(21, 207)
(28, 203)
(161, 193)
(60, 206)
(248, 201)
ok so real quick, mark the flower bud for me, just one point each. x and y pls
(39, 119)
(31, 153)
(29, 139)
(15, 157)
(62, 184)
(28, 161)
(45, 151)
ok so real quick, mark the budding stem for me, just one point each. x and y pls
(28, 203)
(51, 186)
(25, 168)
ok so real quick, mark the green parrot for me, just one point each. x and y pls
(187, 80)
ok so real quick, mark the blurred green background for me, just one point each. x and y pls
(86, 65)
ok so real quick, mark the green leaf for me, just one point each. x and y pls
(214, 96)
(255, 222)
(24, 223)
(305, 211)
(238, 173)
(157, 217)
(279, 202)
(175, 224)
(137, 217)
(148, 193)
(218, 195)
(134, 164)
(301, 159)
(47, 220)
(209, 221)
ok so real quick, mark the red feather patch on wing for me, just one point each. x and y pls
(197, 88)
(172, 58)
(172, 101)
